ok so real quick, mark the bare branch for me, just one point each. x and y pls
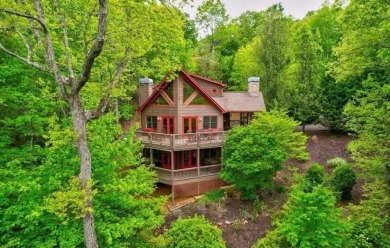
(96, 113)
(165, 5)
(25, 44)
(66, 43)
(95, 50)
(27, 61)
(86, 28)
(35, 31)
(13, 12)
(50, 52)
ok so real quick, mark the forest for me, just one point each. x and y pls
(70, 176)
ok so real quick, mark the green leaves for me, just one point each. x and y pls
(254, 153)
(194, 232)
(312, 220)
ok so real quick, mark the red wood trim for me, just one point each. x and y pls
(189, 165)
(164, 84)
(195, 85)
(156, 93)
(168, 118)
(190, 117)
(208, 79)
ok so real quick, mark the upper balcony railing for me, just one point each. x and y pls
(182, 141)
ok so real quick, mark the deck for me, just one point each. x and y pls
(171, 177)
(186, 141)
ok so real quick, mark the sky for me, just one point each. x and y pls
(296, 8)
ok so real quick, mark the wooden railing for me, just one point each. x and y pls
(185, 174)
(180, 140)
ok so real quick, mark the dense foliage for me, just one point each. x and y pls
(254, 153)
(342, 180)
(314, 176)
(194, 232)
(330, 67)
(310, 219)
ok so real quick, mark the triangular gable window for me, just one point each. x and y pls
(199, 99)
(169, 91)
(187, 91)
(161, 101)
(191, 96)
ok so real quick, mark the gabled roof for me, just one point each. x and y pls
(207, 79)
(191, 81)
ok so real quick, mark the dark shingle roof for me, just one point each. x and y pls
(241, 102)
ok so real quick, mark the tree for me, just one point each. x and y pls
(67, 42)
(210, 17)
(273, 53)
(245, 65)
(308, 70)
(42, 203)
(194, 232)
(253, 154)
(311, 219)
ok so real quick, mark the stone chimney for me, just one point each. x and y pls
(145, 89)
(254, 86)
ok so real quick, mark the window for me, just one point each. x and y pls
(209, 122)
(187, 91)
(211, 153)
(151, 122)
(169, 91)
(199, 100)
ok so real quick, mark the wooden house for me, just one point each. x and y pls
(184, 122)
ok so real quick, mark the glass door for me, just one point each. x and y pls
(165, 159)
(188, 159)
(190, 124)
(167, 124)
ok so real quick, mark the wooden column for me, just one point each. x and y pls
(172, 178)
(198, 165)
(151, 155)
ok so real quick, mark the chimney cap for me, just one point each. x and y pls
(146, 81)
(254, 79)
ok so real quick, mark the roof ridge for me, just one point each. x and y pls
(207, 79)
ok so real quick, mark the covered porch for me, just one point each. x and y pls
(178, 166)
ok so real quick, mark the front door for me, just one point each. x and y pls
(188, 159)
(190, 124)
(167, 124)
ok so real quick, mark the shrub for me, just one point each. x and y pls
(342, 180)
(195, 232)
(335, 162)
(314, 176)
(273, 239)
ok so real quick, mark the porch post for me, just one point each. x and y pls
(198, 165)
(172, 178)
(151, 155)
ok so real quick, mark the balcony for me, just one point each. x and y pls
(171, 177)
(181, 141)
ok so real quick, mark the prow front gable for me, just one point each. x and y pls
(164, 93)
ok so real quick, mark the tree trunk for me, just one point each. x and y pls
(79, 124)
